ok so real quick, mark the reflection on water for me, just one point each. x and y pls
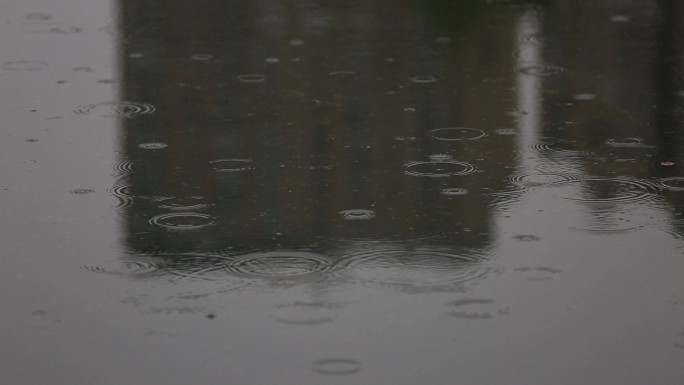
(326, 181)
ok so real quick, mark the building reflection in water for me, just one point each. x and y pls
(290, 138)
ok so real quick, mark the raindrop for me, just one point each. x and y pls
(457, 133)
(82, 191)
(620, 19)
(541, 70)
(675, 183)
(421, 268)
(296, 42)
(475, 308)
(627, 143)
(82, 69)
(279, 265)
(679, 342)
(584, 96)
(232, 165)
(440, 157)
(342, 73)
(538, 273)
(128, 268)
(182, 203)
(667, 163)
(135, 55)
(38, 16)
(152, 146)
(442, 40)
(24, 65)
(454, 191)
(201, 57)
(112, 109)
(272, 60)
(32, 140)
(506, 131)
(107, 81)
(424, 79)
(305, 313)
(438, 169)
(357, 214)
(531, 180)
(608, 190)
(185, 221)
(526, 237)
(337, 366)
(252, 78)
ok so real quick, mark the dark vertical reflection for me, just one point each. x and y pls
(278, 118)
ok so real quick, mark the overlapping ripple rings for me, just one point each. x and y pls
(608, 190)
(125, 109)
(420, 268)
(285, 264)
(438, 169)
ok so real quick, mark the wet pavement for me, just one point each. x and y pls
(342, 192)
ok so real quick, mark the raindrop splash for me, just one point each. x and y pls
(357, 214)
(185, 221)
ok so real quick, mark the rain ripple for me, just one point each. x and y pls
(609, 190)
(438, 169)
(139, 268)
(116, 109)
(418, 268)
(185, 221)
(280, 265)
(337, 366)
(457, 133)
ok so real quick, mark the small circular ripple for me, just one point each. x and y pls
(111, 109)
(454, 191)
(252, 78)
(337, 366)
(439, 169)
(675, 183)
(424, 79)
(457, 133)
(440, 157)
(609, 190)
(279, 265)
(542, 179)
(24, 65)
(202, 57)
(357, 214)
(181, 203)
(123, 195)
(232, 165)
(128, 268)
(124, 166)
(152, 146)
(541, 70)
(627, 143)
(419, 268)
(185, 221)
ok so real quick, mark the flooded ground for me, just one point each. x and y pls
(342, 192)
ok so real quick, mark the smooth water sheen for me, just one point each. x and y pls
(342, 192)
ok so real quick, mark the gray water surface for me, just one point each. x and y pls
(342, 192)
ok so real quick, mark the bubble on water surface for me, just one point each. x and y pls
(232, 165)
(357, 214)
(457, 133)
(153, 146)
(252, 78)
(184, 221)
(438, 169)
(280, 265)
(541, 70)
(24, 65)
(337, 366)
(454, 191)
(537, 273)
(424, 79)
(125, 109)
(201, 57)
